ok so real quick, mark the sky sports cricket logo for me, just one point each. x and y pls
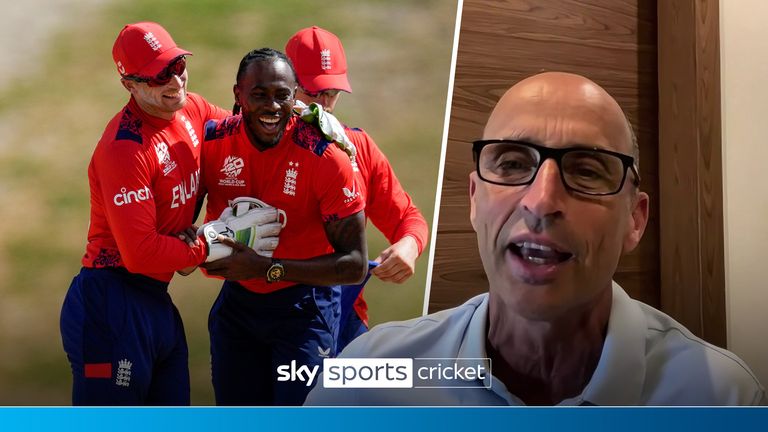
(392, 373)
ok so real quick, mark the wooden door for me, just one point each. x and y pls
(611, 42)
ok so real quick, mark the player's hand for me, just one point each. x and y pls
(246, 220)
(244, 263)
(189, 236)
(397, 263)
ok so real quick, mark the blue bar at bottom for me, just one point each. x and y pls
(305, 419)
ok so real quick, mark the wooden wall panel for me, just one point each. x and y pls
(502, 41)
(690, 160)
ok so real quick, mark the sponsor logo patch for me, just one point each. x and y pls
(232, 168)
(289, 185)
(164, 158)
(190, 131)
(152, 41)
(325, 59)
(123, 378)
(350, 194)
(126, 197)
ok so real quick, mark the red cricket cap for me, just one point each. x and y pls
(319, 59)
(144, 49)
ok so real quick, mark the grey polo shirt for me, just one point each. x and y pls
(648, 359)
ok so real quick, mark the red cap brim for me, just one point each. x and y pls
(160, 62)
(318, 83)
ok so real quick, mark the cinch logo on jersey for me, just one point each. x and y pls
(233, 166)
(190, 131)
(164, 157)
(185, 190)
(127, 197)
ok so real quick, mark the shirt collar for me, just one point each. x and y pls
(473, 346)
(620, 374)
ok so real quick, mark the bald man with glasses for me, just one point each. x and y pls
(555, 201)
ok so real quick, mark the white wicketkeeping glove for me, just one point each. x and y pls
(248, 221)
(329, 125)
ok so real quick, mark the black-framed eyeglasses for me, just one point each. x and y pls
(329, 92)
(590, 171)
(176, 67)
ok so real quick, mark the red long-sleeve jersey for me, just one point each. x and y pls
(144, 177)
(387, 204)
(304, 175)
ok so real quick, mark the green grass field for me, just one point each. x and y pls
(399, 57)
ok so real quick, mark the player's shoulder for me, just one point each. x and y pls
(437, 334)
(124, 128)
(196, 106)
(196, 99)
(218, 129)
(309, 138)
(680, 358)
(359, 136)
(123, 139)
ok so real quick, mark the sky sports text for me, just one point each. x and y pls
(392, 372)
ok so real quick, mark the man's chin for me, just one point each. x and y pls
(269, 141)
(176, 104)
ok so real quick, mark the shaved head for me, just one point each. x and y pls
(548, 248)
(556, 96)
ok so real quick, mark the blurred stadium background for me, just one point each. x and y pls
(55, 104)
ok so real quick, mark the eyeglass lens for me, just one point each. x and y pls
(329, 92)
(587, 171)
(176, 67)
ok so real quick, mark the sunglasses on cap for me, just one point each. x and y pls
(329, 92)
(176, 67)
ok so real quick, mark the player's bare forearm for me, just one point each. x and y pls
(345, 266)
(397, 263)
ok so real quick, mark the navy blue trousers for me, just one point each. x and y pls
(124, 340)
(351, 324)
(258, 341)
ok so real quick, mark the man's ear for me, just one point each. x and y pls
(128, 84)
(472, 189)
(638, 219)
(236, 92)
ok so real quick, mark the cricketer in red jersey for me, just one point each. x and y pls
(276, 312)
(388, 206)
(144, 177)
(321, 66)
(122, 334)
(304, 175)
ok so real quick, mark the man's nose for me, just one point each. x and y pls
(176, 81)
(545, 197)
(274, 103)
